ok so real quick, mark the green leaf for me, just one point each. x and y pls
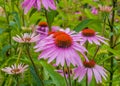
(38, 82)
(32, 12)
(50, 16)
(5, 49)
(1, 30)
(57, 78)
(17, 19)
(82, 25)
(115, 52)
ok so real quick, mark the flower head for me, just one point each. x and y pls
(15, 69)
(26, 38)
(94, 11)
(90, 68)
(44, 30)
(62, 46)
(91, 36)
(105, 8)
(65, 72)
(28, 4)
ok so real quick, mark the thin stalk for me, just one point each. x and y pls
(75, 82)
(103, 32)
(35, 68)
(65, 77)
(17, 80)
(86, 45)
(112, 41)
(10, 82)
(23, 18)
(98, 47)
(19, 55)
(69, 78)
(104, 26)
(86, 80)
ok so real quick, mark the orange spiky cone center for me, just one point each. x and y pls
(88, 32)
(89, 64)
(43, 24)
(62, 39)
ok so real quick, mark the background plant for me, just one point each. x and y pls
(75, 14)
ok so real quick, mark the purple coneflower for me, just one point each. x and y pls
(62, 46)
(26, 38)
(91, 36)
(105, 8)
(65, 72)
(90, 68)
(94, 11)
(44, 30)
(15, 69)
(28, 4)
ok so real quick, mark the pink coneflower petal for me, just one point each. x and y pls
(77, 73)
(26, 38)
(83, 73)
(28, 4)
(90, 68)
(65, 72)
(38, 4)
(89, 35)
(60, 46)
(103, 74)
(89, 75)
(15, 69)
(97, 76)
(95, 41)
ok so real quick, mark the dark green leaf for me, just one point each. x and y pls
(32, 12)
(38, 82)
(82, 25)
(50, 16)
(57, 79)
(1, 31)
(5, 49)
(17, 19)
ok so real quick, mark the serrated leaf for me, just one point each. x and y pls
(57, 79)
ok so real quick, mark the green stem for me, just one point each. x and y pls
(111, 41)
(23, 18)
(10, 82)
(69, 78)
(75, 82)
(103, 32)
(19, 55)
(86, 80)
(65, 76)
(17, 80)
(98, 47)
(103, 29)
(35, 68)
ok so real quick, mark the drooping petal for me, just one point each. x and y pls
(89, 74)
